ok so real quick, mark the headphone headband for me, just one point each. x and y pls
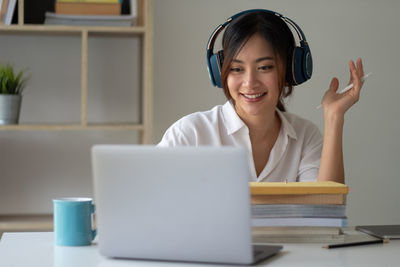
(301, 65)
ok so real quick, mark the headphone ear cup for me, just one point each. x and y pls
(307, 62)
(216, 62)
(297, 66)
(301, 67)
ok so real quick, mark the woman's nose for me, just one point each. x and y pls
(250, 78)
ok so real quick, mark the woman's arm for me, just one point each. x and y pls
(335, 106)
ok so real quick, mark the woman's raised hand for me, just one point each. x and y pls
(334, 103)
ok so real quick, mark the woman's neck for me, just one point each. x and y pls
(263, 133)
(262, 127)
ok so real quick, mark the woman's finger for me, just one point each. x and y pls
(360, 70)
(351, 68)
(360, 67)
(355, 76)
(334, 84)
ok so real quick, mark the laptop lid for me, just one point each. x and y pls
(185, 204)
(381, 231)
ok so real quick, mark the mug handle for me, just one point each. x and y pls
(94, 231)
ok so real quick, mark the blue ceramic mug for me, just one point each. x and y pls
(73, 221)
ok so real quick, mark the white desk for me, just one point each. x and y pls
(37, 249)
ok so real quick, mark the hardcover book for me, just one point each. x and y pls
(80, 8)
(298, 193)
(297, 188)
(296, 210)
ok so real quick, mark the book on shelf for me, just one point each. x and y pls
(7, 11)
(89, 20)
(89, 1)
(127, 6)
(298, 193)
(84, 8)
(3, 5)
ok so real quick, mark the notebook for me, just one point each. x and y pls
(176, 204)
(381, 231)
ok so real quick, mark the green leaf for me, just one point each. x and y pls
(10, 81)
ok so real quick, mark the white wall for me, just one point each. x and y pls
(337, 31)
(36, 165)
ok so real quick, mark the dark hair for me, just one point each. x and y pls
(274, 30)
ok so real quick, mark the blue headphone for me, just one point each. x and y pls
(301, 62)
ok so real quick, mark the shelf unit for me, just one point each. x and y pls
(143, 28)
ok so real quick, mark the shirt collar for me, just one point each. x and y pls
(233, 122)
(286, 126)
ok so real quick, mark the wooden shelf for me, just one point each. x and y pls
(60, 29)
(72, 127)
(23, 223)
(144, 30)
(136, 127)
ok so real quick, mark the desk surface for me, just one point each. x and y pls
(37, 249)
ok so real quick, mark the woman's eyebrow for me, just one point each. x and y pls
(237, 61)
(257, 60)
(264, 58)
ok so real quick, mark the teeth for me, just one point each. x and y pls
(254, 96)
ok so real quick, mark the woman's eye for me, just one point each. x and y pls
(266, 67)
(235, 69)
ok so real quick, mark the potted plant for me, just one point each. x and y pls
(12, 85)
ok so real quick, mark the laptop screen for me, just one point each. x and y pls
(186, 203)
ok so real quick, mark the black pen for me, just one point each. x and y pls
(362, 243)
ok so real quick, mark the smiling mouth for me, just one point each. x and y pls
(254, 96)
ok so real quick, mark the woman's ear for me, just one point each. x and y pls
(284, 90)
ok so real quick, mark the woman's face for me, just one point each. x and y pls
(253, 79)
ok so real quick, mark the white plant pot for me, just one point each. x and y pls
(10, 106)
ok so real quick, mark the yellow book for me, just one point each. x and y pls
(91, 1)
(297, 188)
(87, 8)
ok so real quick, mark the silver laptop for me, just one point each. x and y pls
(177, 204)
(381, 231)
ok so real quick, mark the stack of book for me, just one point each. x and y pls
(90, 13)
(301, 211)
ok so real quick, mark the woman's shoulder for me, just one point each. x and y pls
(193, 129)
(302, 128)
(200, 118)
(297, 121)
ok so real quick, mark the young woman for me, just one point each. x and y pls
(256, 75)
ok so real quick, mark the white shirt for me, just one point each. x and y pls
(295, 155)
